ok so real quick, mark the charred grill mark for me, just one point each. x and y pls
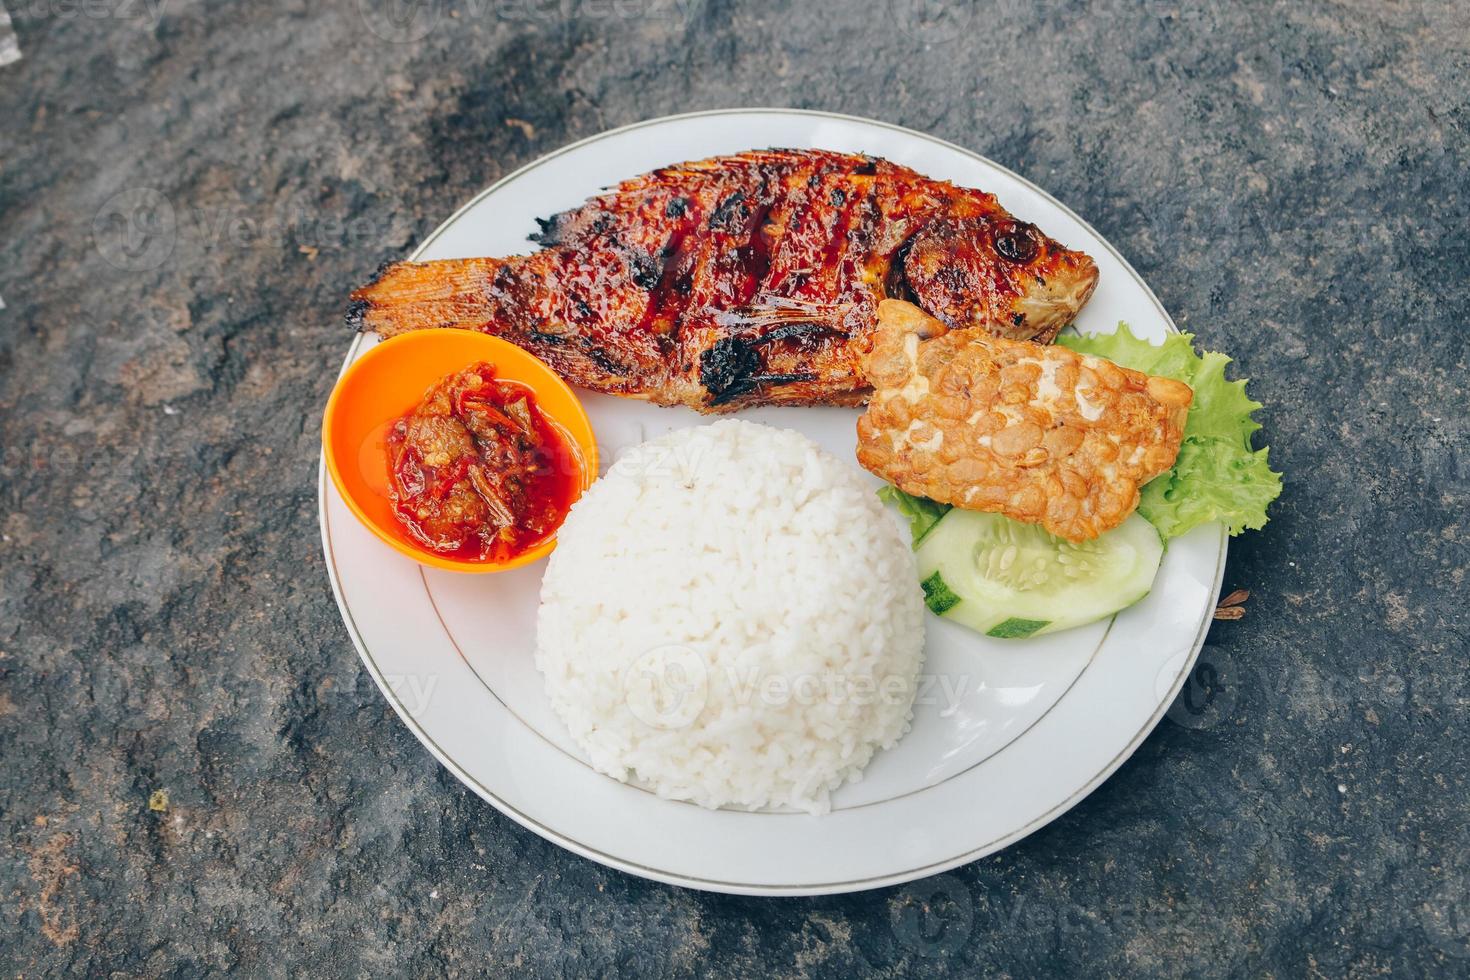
(750, 383)
(730, 214)
(601, 358)
(896, 284)
(357, 314)
(862, 237)
(541, 337)
(726, 367)
(806, 332)
(677, 207)
(730, 368)
(801, 205)
(835, 252)
(668, 277)
(755, 255)
(738, 257)
(357, 310)
(647, 271)
(507, 295)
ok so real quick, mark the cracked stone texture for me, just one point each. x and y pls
(198, 775)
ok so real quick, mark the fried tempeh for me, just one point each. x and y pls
(1040, 434)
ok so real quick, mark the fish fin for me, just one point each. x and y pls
(772, 318)
(406, 296)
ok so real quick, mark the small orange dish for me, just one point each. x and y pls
(382, 385)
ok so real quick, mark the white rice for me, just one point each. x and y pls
(731, 618)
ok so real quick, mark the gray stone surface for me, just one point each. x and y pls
(198, 775)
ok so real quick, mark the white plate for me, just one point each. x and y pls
(1008, 735)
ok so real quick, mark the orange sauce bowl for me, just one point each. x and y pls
(390, 379)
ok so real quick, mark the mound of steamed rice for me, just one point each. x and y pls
(731, 618)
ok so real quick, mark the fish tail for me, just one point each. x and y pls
(406, 296)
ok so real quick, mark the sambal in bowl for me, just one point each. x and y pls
(458, 449)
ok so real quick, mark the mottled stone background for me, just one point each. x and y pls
(197, 773)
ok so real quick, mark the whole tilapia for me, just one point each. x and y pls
(751, 279)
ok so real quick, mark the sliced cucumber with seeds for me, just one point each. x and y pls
(1011, 580)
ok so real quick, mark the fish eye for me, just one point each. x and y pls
(1016, 243)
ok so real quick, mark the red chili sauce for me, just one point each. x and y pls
(477, 472)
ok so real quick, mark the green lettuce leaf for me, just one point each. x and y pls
(1218, 475)
(922, 512)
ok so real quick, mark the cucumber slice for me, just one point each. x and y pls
(1011, 580)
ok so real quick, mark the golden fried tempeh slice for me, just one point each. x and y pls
(1041, 434)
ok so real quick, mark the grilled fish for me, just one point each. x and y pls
(751, 279)
(1041, 434)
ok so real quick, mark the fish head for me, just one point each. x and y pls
(999, 273)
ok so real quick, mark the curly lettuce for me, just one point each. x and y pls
(1218, 475)
(922, 512)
